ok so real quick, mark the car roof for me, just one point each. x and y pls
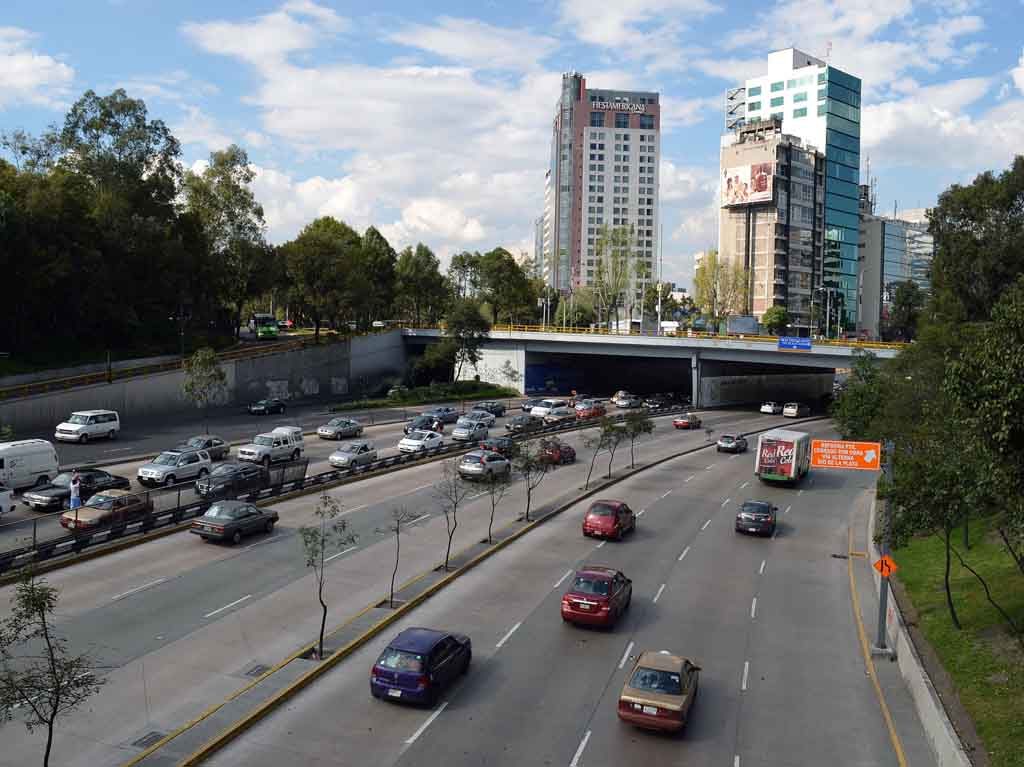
(92, 412)
(608, 502)
(231, 504)
(756, 503)
(597, 570)
(117, 493)
(417, 640)
(660, 660)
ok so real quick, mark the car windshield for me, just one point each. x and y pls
(351, 447)
(166, 459)
(756, 508)
(62, 480)
(400, 660)
(472, 458)
(728, 438)
(101, 501)
(465, 423)
(224, 471)
(221, 511)
(78, 419)
(601, 510)
(598, 586)
(419, 436)
(265, 441)
(656, 680)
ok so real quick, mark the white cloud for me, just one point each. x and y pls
(197, 127)
(476, 43)
(623, 23)
(676, 113)
(29, 77)
(1017, 73)
(176, 86)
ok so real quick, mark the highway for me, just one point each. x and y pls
(177, 623)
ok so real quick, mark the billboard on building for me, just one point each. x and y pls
(747, 184)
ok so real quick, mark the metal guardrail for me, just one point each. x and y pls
(285, 482)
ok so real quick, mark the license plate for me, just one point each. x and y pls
(395, 693)
(652, 710)
(584, 607)
(751, 529)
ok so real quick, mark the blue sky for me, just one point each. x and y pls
(431, 121)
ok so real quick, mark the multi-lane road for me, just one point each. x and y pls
(177, 624)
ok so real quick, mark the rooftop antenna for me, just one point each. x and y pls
(828, 51)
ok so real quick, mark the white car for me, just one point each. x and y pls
(546, 406)
(796, 410)
(482, 415)
(420, 440)
(6, 500)
(771, 408)
(469, 430)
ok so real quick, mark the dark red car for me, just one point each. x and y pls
(597, 597)
(559, 452)
(589, 408)
(609, 519)
(501, 445)
(687, 421)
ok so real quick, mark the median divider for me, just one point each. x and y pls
(361, 628)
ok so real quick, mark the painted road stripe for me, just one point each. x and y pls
(787, 510)
(725, 502)
(579, 750)
(353, 509)
(666, 494)
(753, 608)
(508, 636)
(800, 492)
(346, 551)
(736, 761)
(734, 456)
(414, 521)
(690, 477)
(763, 563)
(745, 484)
(641, 512)
(705, 525)
(602, 543)
(625, 655)
(685, 552)
(658, 595)
(562, 579)
(746, 673)
(137, 589)
(225, 607)
(423, 727)
(709, 468)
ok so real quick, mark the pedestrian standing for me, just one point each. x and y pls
(76, 491)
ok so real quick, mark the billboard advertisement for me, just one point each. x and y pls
(776, 457)
(746, 184)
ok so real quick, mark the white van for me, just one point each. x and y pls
(84, 425)
(543, 408)
(27, 462)
(7, 503)
(294, 435)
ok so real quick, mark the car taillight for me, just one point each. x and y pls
(604, 608)
(217, 528)
(422, 682)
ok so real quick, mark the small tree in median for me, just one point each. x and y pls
(451, 490)
(205, 381)
(497, 487)
(329, 532)
(400, 517)
(616, 434)
(532, 463)
(598, 442)
(637, 424)
(47, 682)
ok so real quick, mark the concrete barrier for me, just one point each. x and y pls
(948, 750)
(808, 388)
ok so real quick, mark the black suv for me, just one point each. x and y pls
(524, 423)
(230, 480)
(495, 408)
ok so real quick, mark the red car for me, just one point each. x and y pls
(597, 597)
(588, 408)
(609, 519)
(687, 421)
(560, 453)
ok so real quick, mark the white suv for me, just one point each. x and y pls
(173, 466)
(771, 408)
(84, 425)
(270, 448)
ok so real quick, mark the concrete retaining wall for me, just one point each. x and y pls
(502, 362)
(81, 370)
(808, 388)
(942, 736)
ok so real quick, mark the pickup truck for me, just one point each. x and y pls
(270, 448)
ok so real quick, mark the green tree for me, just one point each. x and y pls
(612, 272)
(669, 305)
(464, 274)
(720, 288)
(636, 424)
(377, 261)
(421, 291)
(328, 533)
(856, 409)
(504, 286)
(320, 264)
(775, 319)
(38, 673)
(906, 311)
(465, 331)
(205, 381)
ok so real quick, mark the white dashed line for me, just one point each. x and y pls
(745, 484)
(709, 468)
(683, 555)
(579, 751)
(787, 510)
(225, 607)
(137, 589)
(775, 534)
(346, 551)
(354, 509)
(725, 502)
(746, 673)
(734, 457)
(641, 512)
(736, 761)
(666, 494)
(690, 477)
(763, 563)
(705, 525)
(658, 595)
(753, 608)
(423, 727)
(414, 521)
(625, 655)
(801, 492)
(562, 579)
(602, 543)
(508, 636)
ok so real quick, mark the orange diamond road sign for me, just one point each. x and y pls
(886, 566)
(843, 454)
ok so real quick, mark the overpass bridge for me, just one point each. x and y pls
(712, 369)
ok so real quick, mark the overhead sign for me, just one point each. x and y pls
(844, 454)
(619, 106)
(886, 566)
(746, 184)
(795, 343)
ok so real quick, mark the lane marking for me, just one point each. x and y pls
(775, 534)
(787, 510)
(869, 664)
(705, 525)
(265, 541)
(736, 761)
(753, 608)
(709, 468)
(666, 494)
(354, 508)
(346, 551)
(734, 456)
(579, 750)
(745, 484)
(763, 563)
(746, 672)
(423, 727)
(658, 595)
(137, 589)
(507, 636)
(225, 607)
(641, 512)
(685, 552)
(625, 655)
(690, 477)
(602, 543)
(562, 579)
(414, 521)
(801, 492)
(725, 502)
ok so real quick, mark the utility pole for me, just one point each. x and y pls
(828, 313)
(880, 647)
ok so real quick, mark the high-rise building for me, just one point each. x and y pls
(536, 268)
(819, 104)
(771, 223)
(893, 251)
(605, 150)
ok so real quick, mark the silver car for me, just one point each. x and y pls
(174, 466)
(353, 454)
(467, 430)
(481, 464)
(481, 415)
(340, 428)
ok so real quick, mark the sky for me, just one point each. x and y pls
(432, 121)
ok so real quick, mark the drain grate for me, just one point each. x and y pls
(258, 670)
(149, 739)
